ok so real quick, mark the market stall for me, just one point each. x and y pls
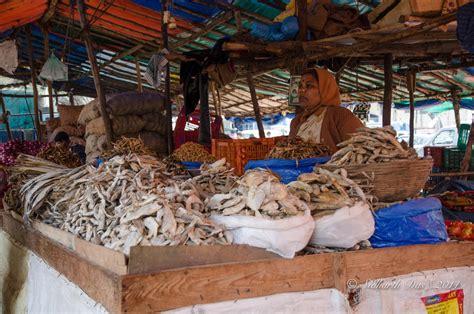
(276, 223)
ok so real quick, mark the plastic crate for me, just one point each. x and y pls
(239, 152)
(436, 153)
(463, 137)
(453, 158)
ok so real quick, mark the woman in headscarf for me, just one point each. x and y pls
(321, 118)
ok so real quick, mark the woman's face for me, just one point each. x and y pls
(308, 92)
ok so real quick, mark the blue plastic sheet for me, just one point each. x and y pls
(417, 221)
(191, 164)
(285, 30)
(288, 170)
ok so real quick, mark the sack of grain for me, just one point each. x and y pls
(120, 125)
(89, 112)
(52, 124)
(91, 143)
(155, 122)
(69, 114)
(154, 141)
(102, 143)
(134, 103)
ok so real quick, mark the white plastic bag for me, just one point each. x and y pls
(284, 237)
(54, 70)
(345, 228)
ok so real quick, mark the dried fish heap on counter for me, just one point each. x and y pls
(25, 168)
(126, 201)
(372, 145)
(297, 149)
(61, 155)
(259, 193)
(325, 191)
(193, 152)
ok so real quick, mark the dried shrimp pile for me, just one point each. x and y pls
(126, 146)
(259, 193)
(297, 149)
(325, 191)
(193, 152)
(127, 201)
(60, 155)
(372, 145)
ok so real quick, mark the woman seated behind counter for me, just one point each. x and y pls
(321, 119)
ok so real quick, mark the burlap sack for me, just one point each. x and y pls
(155, 122)
(91, 143)
(72, 131)
(120, 125)
(89, 112)
(102, 143)
(154, 141)
(52, 124)
(69, 114)
(134, 103)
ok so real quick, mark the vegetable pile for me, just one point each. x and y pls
(11, 149)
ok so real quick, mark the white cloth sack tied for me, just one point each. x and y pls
(284, 237)
(8, 56)
(345, 228)
(54, 70)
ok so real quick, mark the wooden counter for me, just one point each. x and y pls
(150, 283)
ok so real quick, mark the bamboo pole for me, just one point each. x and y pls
(35, 88)
(139, 75)
(256, 108)
(5, 119)
(45, 33)
(96, 74)
(169, 114)
(387, 95)
(238, 20)
(411, 83)
(467, 156)
(302, 13)
(456, 107)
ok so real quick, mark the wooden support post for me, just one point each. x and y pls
(5, 118)
(44, 31)
(139, 75)
(169, 114)
(33, 82)
(256, 108)
(96, 74)
(302, 13)
(411, 83)
(456, 107)
(387, 96)
(467, 155)
(238, 20)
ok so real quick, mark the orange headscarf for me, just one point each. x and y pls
(330, 96)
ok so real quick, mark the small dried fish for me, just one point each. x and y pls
(297, 148)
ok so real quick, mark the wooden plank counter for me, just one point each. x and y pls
(150, 290)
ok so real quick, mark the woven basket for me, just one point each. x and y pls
(393, 181)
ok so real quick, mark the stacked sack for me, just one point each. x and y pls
(68, 123)
(133, 115)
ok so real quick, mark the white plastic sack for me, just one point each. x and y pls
(54, 70)
(8, 56)
(284, 237)
(345, 228)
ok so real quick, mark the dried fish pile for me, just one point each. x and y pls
(372, 145)
(60, 155)
(126, 146)
(296, 149)
(193, 152)
(325, 191)
(26, 167)
(127, 201)
(259, 193)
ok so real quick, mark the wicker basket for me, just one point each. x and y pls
(393, 181)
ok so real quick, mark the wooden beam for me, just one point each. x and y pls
(388, 85)
(50, 13)
(206, 29)
(33, 82)
(44, 31)
(302, 14)
(238, 20)
(139, 75)
(96, 75)
(411, 85)
(256, 108)
(5, 116)
(168, 106)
